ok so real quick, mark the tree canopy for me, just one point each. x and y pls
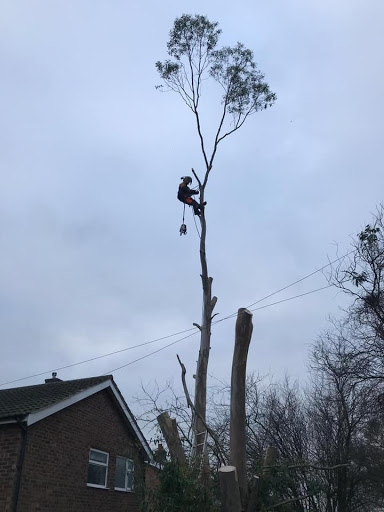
(195, 57)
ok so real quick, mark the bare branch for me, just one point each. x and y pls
(292, 500)
(190, 404)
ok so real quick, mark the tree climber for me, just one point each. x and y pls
(184, 195)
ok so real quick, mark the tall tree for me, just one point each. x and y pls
(192, 47)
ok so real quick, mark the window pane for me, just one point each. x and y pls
(120, 472)
(96, 474)
(98, 457)
(129, 481)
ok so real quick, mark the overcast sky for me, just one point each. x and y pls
(90, 160)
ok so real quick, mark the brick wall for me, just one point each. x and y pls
(55, 468)
(152, 482)
(10, 445)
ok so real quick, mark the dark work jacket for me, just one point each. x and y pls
(185, 192)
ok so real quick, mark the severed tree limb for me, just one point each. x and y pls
(170, 432)
(291, 500)
(297, 466)
(190, 404)
(310, 466)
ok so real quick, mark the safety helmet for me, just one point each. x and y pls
(187, 179)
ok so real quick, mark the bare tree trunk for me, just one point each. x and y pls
(229, 489)
(238, 454)
(169, 429)
(205, 341)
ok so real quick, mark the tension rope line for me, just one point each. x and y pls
(197, 229)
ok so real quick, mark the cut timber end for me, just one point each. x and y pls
(229, 489)
(227, 469)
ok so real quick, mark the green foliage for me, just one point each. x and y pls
(192, 43)
(358, 278)
(237, 73)
(274, 485)
(190, 34)
(193, 37)
(369, 249)
(181, 490)
(168, 69)
(369, 235)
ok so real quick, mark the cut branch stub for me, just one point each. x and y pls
(196, 176)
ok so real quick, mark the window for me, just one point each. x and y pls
(124, 474)
(97, 468)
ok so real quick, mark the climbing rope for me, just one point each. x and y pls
(197, 229)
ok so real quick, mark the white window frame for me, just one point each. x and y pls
(96, 463)
(130, 461)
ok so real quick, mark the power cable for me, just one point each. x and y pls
(150, 354)
(291, 298)
(187, 330)
(100, 357)
(303, 278)
(288, 286)
(189, 335)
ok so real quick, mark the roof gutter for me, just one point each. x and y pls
(20, 463)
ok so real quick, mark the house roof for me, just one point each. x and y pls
(27, 399)
(31, 404)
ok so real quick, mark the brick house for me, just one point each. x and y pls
(70, 446)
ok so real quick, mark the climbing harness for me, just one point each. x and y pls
(186, 199)
(183, 227)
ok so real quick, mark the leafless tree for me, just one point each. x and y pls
(342, 408)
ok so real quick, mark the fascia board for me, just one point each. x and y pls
(132, 422)
(6, 422)
(34, 417)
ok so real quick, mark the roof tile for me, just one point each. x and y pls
(27, 399)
